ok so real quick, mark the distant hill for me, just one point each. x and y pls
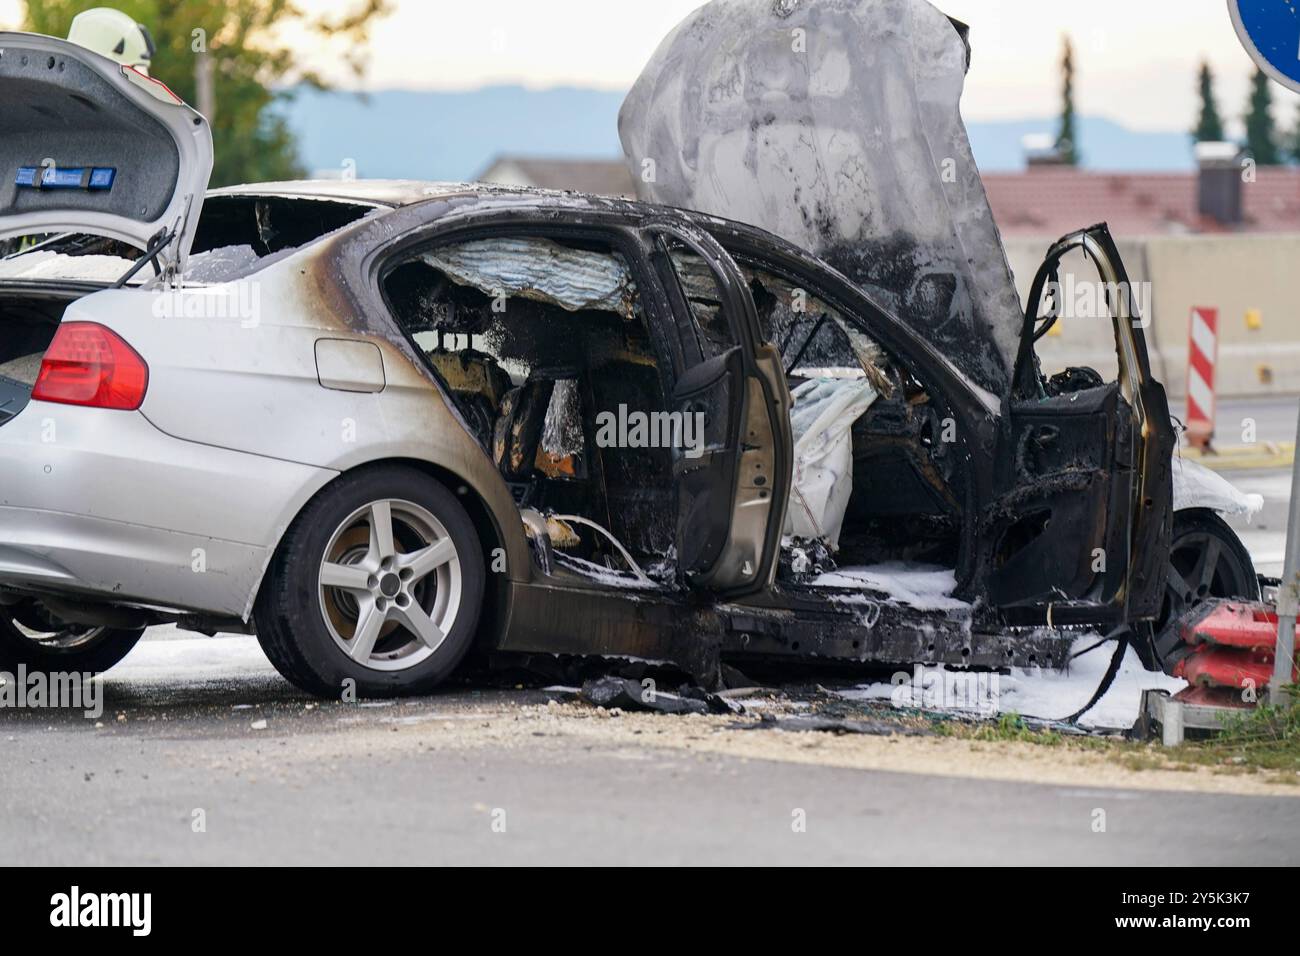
(454, 135)
(435, 135)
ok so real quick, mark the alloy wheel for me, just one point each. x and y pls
(390, 585)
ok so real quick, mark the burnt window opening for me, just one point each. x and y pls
(814, 338)
(1085, 306)
(699, 288)
(537, 342)
(236, 235)
(270, 224)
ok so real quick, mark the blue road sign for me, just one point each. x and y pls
(1270, 32)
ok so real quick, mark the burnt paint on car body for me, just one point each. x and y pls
(342, 271)
(341, 277)
(338, 286)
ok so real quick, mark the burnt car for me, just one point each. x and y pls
(377, 423)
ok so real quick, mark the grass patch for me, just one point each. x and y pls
(1012, 727)
(1264, 740)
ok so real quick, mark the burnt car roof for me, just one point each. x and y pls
(396, 193)
(380, 192)
(403, 192)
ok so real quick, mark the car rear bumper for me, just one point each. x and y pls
(102, 505)
(116, 562)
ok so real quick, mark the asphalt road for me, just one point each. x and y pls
(408, 783)
(203, 755)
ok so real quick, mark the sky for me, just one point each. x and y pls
(1135, 60)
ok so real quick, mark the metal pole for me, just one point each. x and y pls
(1288, 594)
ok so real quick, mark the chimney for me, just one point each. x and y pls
(1040, 150)
(1218, 182)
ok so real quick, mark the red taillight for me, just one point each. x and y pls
(88, 364)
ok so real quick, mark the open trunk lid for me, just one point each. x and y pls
(90, 146)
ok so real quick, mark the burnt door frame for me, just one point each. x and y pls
(750, 475)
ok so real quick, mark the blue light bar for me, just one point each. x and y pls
(71, 177)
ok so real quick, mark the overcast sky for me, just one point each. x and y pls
(1136, 59)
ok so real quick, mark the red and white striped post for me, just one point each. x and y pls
(1203, 352)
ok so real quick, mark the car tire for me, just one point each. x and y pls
(1207, 560)
(32, 637)
(347, 606)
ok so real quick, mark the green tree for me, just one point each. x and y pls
(253, 69)
(1209, 128)
(1066, 142)
(1261, 134)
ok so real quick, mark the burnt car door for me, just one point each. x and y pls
(730, 405)
(1083, 470)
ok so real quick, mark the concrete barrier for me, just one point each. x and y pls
(1250, 279)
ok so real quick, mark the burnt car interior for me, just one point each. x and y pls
(532, 337)
(906, 503)
(535, 336)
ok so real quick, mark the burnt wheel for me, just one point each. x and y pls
(33, 637)
(1206, 560)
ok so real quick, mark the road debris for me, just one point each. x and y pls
(629, 695)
